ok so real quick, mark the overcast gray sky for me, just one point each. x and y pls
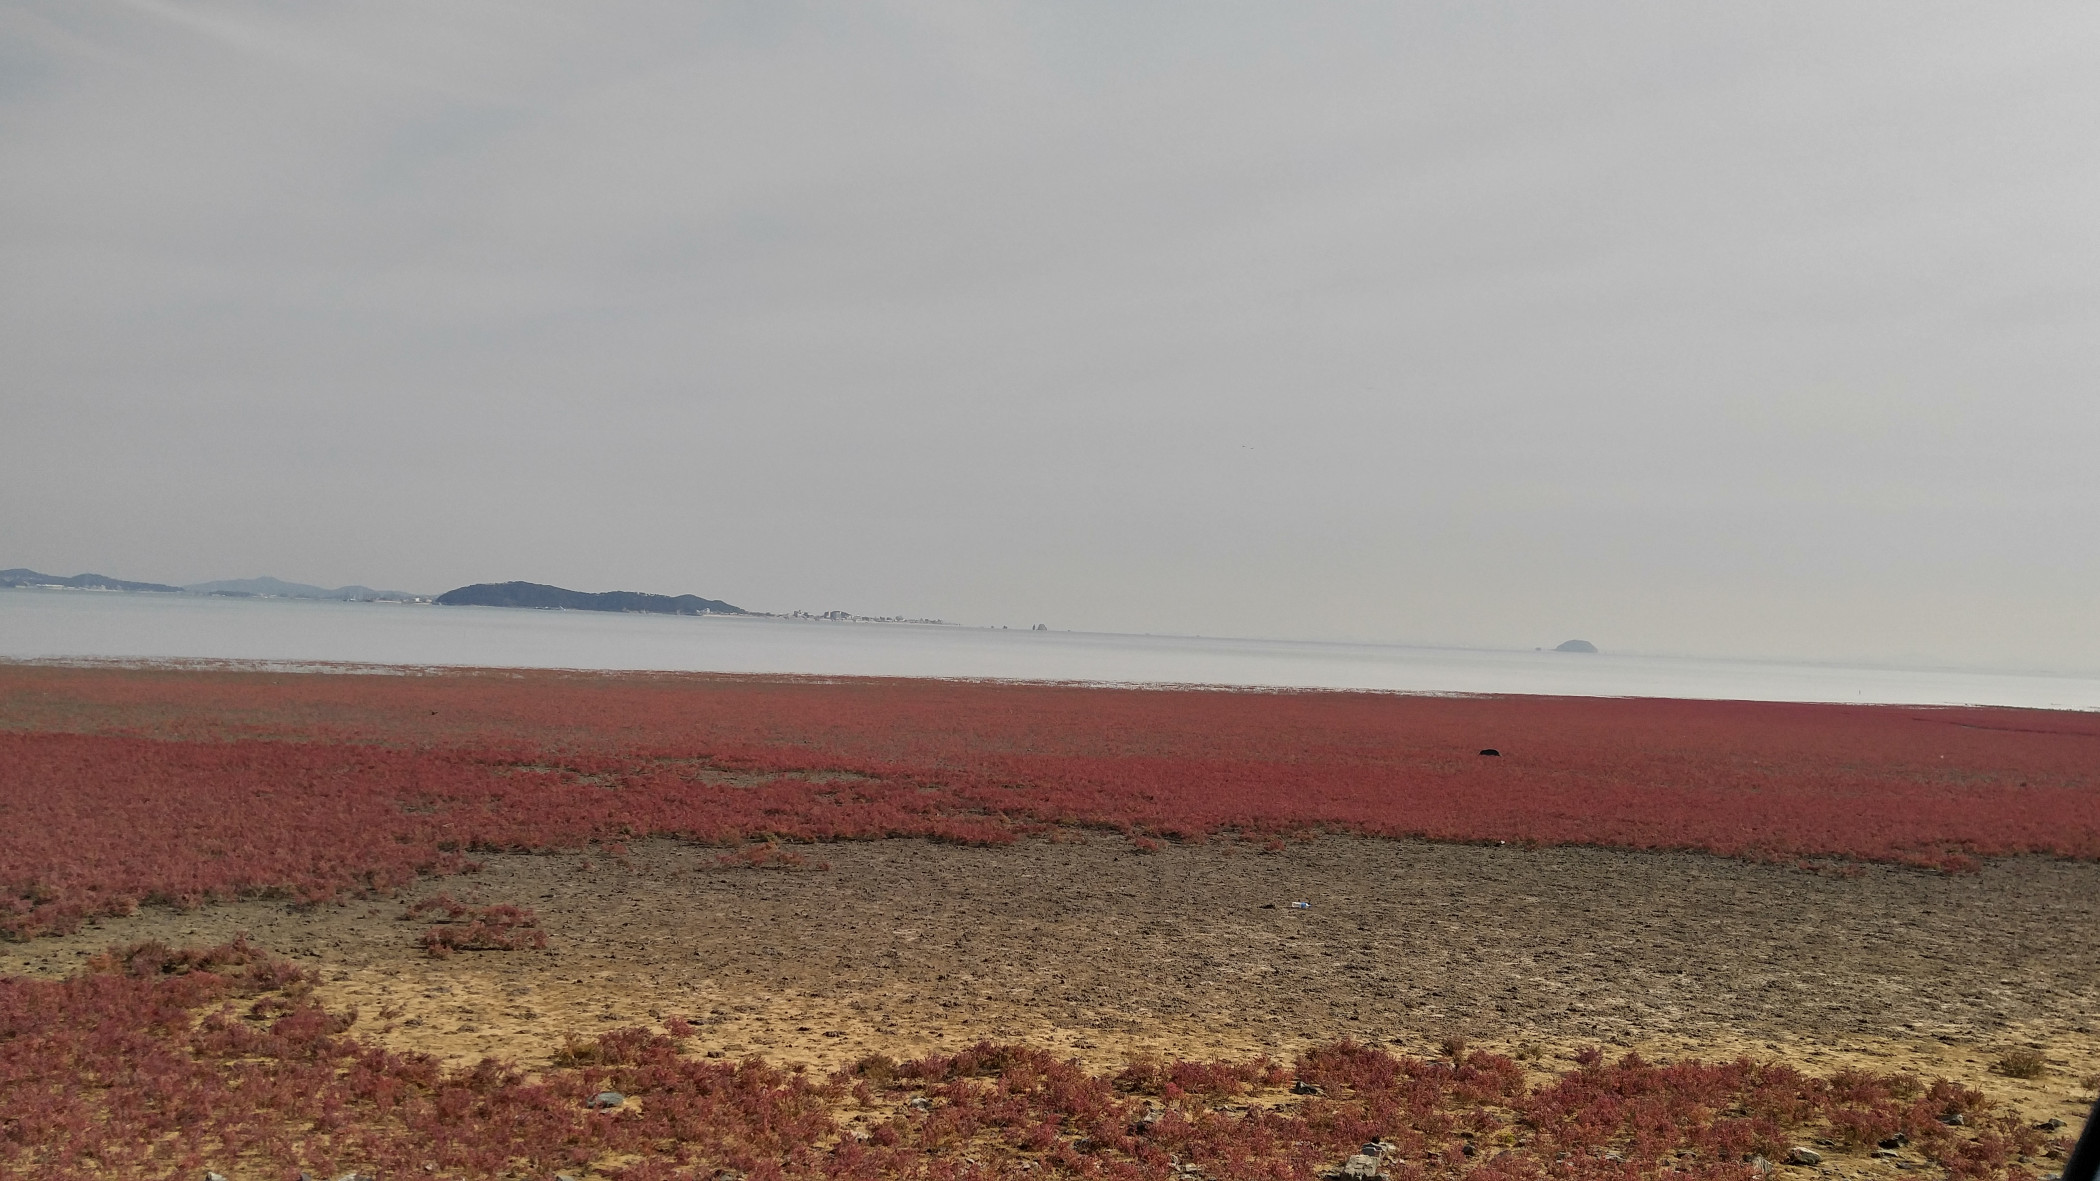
(1753, 329)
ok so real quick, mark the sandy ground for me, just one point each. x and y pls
(1097, 951)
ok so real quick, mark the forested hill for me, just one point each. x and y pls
(544, 597)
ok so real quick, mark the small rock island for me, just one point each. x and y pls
(548, 598)
(1576, 646)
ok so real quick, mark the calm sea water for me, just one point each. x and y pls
(43, 624)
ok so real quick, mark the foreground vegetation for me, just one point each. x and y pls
(154, 1062)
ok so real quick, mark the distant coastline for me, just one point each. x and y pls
(72, 626)
(521, 595)
(19, 577)
(236, 588)
(275, 588)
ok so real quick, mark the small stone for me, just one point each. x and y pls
(1151, 1118)
(1301, 1087)
(211, 1176)
(1896, 1141)
(1760, 1166)
(1361, 1167)
(1801, 1154)
(2050, 1125)
(1955, 1120)
(605, 1099)
(919, 1103)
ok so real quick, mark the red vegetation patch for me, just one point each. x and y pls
(156, 1063)
(119, 787)
(465, 927)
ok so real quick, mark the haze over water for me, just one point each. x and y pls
(61, 625)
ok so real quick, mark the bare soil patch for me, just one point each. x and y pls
(1093, 949)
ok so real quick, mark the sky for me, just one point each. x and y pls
(1750, 330)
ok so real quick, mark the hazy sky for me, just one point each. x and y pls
(1759, 329)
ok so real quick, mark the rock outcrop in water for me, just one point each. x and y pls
(1576, 646)
(547, 598)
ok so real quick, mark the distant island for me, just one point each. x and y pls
(30, 578)
(547, 598)
(1576, 646)
(274, 588)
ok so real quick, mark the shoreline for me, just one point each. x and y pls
(199, 631)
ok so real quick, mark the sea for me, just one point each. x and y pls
(105, 626)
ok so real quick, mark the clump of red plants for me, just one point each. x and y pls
(121, 787)
(462, 926)
(159, 1063)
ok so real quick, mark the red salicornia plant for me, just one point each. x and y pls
(120, 788)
